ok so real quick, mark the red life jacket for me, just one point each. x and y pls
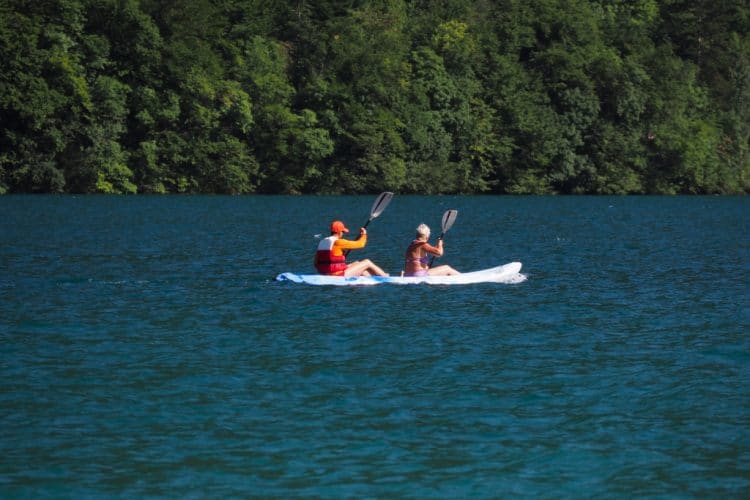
(326, 262)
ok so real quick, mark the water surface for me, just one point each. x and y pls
(148, 351)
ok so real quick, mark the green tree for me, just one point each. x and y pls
(445, 96)
(42, 92)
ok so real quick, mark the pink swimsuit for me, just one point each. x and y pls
(424, 260)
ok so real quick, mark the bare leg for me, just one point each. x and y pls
(376, 269)
(442, 271)
(357, 268)
(364, 267)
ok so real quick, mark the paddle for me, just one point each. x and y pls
(381, 202)
(449, 217)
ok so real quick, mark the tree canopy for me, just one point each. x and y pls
(355, 96)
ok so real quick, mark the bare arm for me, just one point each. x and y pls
(438, 250)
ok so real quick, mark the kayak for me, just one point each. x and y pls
(508, 273)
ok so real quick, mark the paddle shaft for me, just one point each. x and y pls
(381, 202)
(432, 259)
(449, 217)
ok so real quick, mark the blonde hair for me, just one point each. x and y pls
(423, 230)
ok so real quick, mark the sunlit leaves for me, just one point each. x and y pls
(451, 96)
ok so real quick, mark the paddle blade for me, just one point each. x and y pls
(380, 203)
(449, 217)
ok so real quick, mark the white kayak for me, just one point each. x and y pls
(508, 273)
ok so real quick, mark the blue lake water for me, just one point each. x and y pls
(148, 351)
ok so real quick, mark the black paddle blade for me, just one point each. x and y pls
(380, 203)
(449, 217)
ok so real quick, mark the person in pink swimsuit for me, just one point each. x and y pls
(417, 257)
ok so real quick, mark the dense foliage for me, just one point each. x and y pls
(415, 96)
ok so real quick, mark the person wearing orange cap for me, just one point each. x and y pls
(417, 257)
(331, 260)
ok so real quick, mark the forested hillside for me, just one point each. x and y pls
(414, 96)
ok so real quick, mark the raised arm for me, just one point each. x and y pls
(437, 250)
(352, 244)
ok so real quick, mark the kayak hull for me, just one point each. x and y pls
(508, 273)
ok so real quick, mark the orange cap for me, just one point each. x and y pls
(338, 227)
